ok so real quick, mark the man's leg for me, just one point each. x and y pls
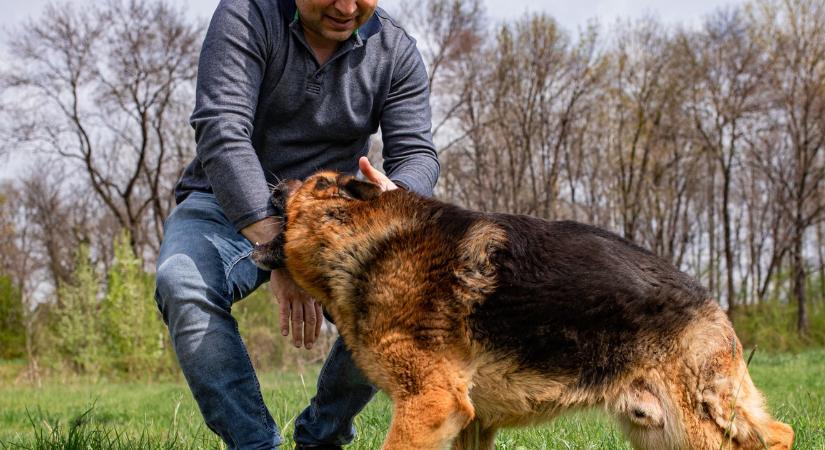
(343, 391)
(204, 267)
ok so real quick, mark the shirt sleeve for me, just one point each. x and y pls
(410, 159)
(230, 72)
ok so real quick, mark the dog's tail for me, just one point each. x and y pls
(702, 398)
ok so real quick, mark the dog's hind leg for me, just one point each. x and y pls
(706, 398)
(647, 415)
(732, 412)
(431, 415)
(476, 437)
(720, 405)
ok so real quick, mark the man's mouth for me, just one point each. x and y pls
(339, 23)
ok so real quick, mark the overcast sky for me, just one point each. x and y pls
(570, 14)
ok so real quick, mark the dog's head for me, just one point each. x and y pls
(306, 206)
(321, 190)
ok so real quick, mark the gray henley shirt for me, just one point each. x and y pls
(265, 110)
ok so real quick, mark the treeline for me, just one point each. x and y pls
(704, 144)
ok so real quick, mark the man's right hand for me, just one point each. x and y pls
(297, 309)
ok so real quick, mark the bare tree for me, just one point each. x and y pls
(521, 95)
(448, 33)
(795, 162)
(728, 68)
(639, 92)
(108, 89)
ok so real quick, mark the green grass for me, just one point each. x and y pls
(75, 415)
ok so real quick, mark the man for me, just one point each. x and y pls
(284, 88)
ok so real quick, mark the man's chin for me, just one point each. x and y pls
(338, 35)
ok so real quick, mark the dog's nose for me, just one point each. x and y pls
(279, 196)
(280, 190)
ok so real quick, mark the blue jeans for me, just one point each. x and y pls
(203, 268)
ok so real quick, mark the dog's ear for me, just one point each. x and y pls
(352, 187)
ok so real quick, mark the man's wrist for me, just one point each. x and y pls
(262, 231)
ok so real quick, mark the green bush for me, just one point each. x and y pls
(73, 336)
(111, 329)
(135, 342)
(772, 326)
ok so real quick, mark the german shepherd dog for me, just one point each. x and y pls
(473, 321)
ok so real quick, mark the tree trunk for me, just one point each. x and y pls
(799, 282)
(731, 289)
(820, 240)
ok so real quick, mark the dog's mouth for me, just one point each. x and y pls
(270, 255)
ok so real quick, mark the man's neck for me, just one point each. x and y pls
(322, 47)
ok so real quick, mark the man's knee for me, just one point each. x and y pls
(166, 281)
(180, 281)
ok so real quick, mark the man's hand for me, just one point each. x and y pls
(297, 308)
(374, 175)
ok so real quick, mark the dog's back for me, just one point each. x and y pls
(575, 300)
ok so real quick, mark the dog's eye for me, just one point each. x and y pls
(322, 183)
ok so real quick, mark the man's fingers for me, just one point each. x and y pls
(283, 307)
(309, 323)
(319, 319)
(366, 168)
(285, 313)
(297, 322)
(298, 311)
(374, 175)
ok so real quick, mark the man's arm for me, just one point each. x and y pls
(410, 159)
(230, 72)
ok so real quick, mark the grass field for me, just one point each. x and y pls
(163, 415)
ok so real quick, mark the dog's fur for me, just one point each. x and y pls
(472, 322)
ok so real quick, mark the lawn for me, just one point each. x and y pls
(163, 415)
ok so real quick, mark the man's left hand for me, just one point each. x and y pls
(374, 175)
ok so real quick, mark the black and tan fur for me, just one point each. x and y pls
(472, 322)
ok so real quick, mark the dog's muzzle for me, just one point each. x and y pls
(270, 255)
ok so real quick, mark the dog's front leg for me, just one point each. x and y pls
(428, 421)
(431, 417)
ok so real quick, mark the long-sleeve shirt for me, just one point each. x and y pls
(266, 110)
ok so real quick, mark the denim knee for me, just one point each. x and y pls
(180, 282)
